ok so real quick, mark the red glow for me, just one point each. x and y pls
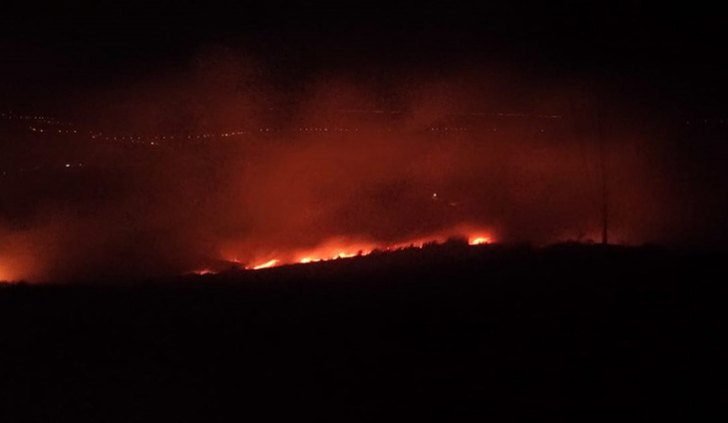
(479, 240)
(344, 167)
(14, 266)
(341, 248)
(203, 272)
(269, 263)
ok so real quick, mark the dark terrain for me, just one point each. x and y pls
(448, 333)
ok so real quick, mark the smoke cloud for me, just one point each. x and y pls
(228, 159)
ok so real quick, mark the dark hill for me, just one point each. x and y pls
(447, 333)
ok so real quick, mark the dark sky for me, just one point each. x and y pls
(674, 51)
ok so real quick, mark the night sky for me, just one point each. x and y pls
(674, 52)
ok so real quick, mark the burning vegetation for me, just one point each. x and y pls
(334, 249)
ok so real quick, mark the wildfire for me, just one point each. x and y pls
(270, 263)
(334, 257)
(340, 248)
(332, 250)
(479, 240)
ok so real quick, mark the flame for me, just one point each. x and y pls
(479, 240)
(342, 248)
(267, 264)
(332, 250)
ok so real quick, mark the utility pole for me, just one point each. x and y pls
(603, 176)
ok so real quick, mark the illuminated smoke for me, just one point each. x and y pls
(222, 163)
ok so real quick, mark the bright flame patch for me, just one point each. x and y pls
(479, 240)
(267, 264)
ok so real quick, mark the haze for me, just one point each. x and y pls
(220, 159)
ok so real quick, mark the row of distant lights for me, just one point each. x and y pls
(53, 131)
(264, 130)
(100, 135)
(42, 120)
(38, 119)
(51, 121)
(135, 139)
(141, 140)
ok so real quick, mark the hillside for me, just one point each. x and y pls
(566, 333)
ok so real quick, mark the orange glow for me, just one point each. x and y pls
(10, 275)
(203, 272)
(10, 271)
(270, 263)
(334, 249)
(341, 248)
(479, 240)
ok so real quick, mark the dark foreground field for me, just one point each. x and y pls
(491, 333)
